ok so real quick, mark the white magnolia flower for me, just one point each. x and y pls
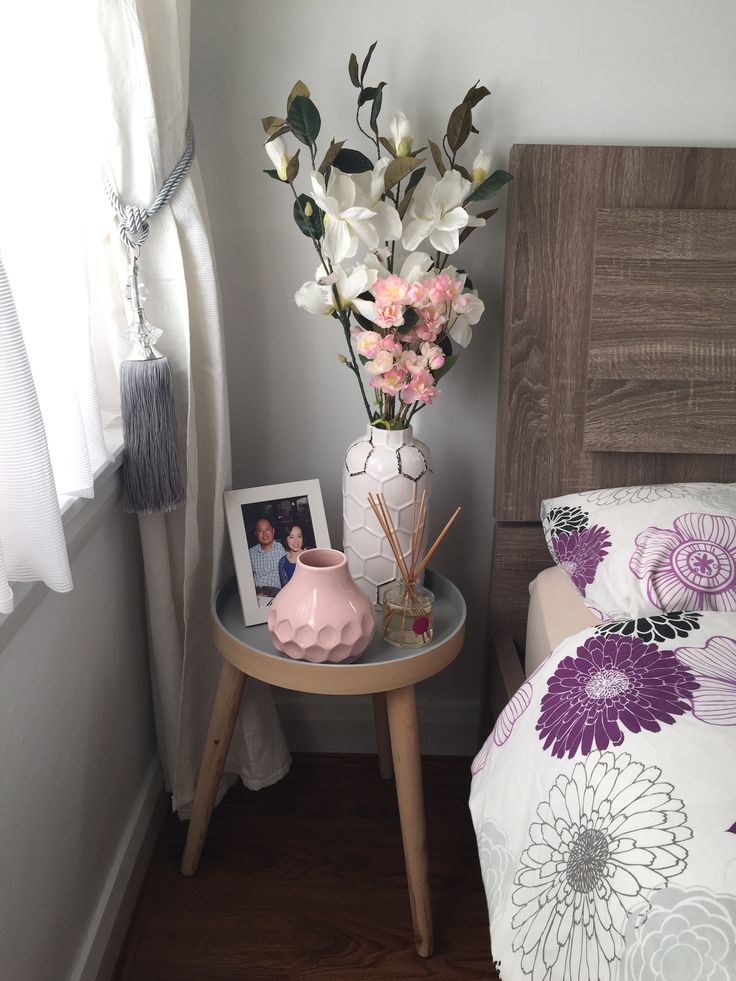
(370, 186)
(345, 222)
(609, 836)
(481, 167)
(435, 212)
(276, 149)
(413, 267)
(401, 135)
(318, 296)
(467, 309)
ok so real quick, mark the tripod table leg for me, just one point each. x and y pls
(402, 717)
(383, 737)
(222, 723)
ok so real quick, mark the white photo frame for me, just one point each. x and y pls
(258, 564)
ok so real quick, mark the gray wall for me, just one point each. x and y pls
(78, 771)
(570, 71)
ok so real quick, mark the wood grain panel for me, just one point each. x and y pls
(662, 345)
(519, 554)
(661, 417)
(558, 202)
(641, 233)
(674, 352)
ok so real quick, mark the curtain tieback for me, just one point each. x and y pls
(151, 469)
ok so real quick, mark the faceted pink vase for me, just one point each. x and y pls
(321, 614)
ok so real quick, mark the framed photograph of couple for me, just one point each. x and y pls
(269, 527)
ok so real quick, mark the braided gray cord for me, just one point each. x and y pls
(133, 225)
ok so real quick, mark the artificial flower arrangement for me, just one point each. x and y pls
(400, 310)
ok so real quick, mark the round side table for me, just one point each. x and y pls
(387, 673)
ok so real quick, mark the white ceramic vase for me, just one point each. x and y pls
(389, 462)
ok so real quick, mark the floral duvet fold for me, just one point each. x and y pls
(604, 802)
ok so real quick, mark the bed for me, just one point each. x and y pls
(608, 850)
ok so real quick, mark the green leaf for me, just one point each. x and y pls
(411, 319)
(352, 162)
(292, 168)
(446, 345)
(329, 158)
(398, 169)
(364, 322)
(410, 188)
(273, 173)
(367, 61)
(279, 132)
(310, 225)
(300, 89)
(437, 157)
(406, 199)
(471, 228)
(353, 71)
(490, 186)
(449, 362)
(462, 171)
(362, 358)
(387, 145)
(376, 107)
(416, 177)
(475, 95)
(458, 128)
(271, 124)
(304, 120)
(366, 94)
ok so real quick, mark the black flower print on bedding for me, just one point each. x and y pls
(657, 629)
(565, 519)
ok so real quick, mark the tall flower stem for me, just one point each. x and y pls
(342, 314)
(344, 317)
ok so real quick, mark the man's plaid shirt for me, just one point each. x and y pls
(266, 564)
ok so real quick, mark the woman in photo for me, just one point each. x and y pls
(294, 545)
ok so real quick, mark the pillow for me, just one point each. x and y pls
(638, 551)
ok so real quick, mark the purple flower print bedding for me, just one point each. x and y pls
(604, 803)
(639, 551)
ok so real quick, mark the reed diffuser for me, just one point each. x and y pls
(408, 608)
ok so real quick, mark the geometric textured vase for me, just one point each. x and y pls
(389, 462)
(321, 614)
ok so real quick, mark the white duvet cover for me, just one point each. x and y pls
(604, 802)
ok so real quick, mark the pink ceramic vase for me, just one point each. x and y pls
(321, 614)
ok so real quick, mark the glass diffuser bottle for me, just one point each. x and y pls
(408, 615)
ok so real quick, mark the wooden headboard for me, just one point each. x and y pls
(618, 361)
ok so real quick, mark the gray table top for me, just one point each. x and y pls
(449, 617)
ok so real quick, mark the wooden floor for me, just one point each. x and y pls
(305, 880)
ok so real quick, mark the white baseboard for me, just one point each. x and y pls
(325, 724)
(103, 941)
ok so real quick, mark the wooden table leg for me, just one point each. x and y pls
(402, 717)
(222, 722)
(383, 737)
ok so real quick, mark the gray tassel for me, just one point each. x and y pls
(151, 471)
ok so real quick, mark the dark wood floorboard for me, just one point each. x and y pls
(304, 881)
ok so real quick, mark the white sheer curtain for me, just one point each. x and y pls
(106, 82)
(145, 60)
(51, 433)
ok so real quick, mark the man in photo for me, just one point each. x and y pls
(264, 560)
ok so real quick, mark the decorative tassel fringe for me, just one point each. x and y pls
(151, 471)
